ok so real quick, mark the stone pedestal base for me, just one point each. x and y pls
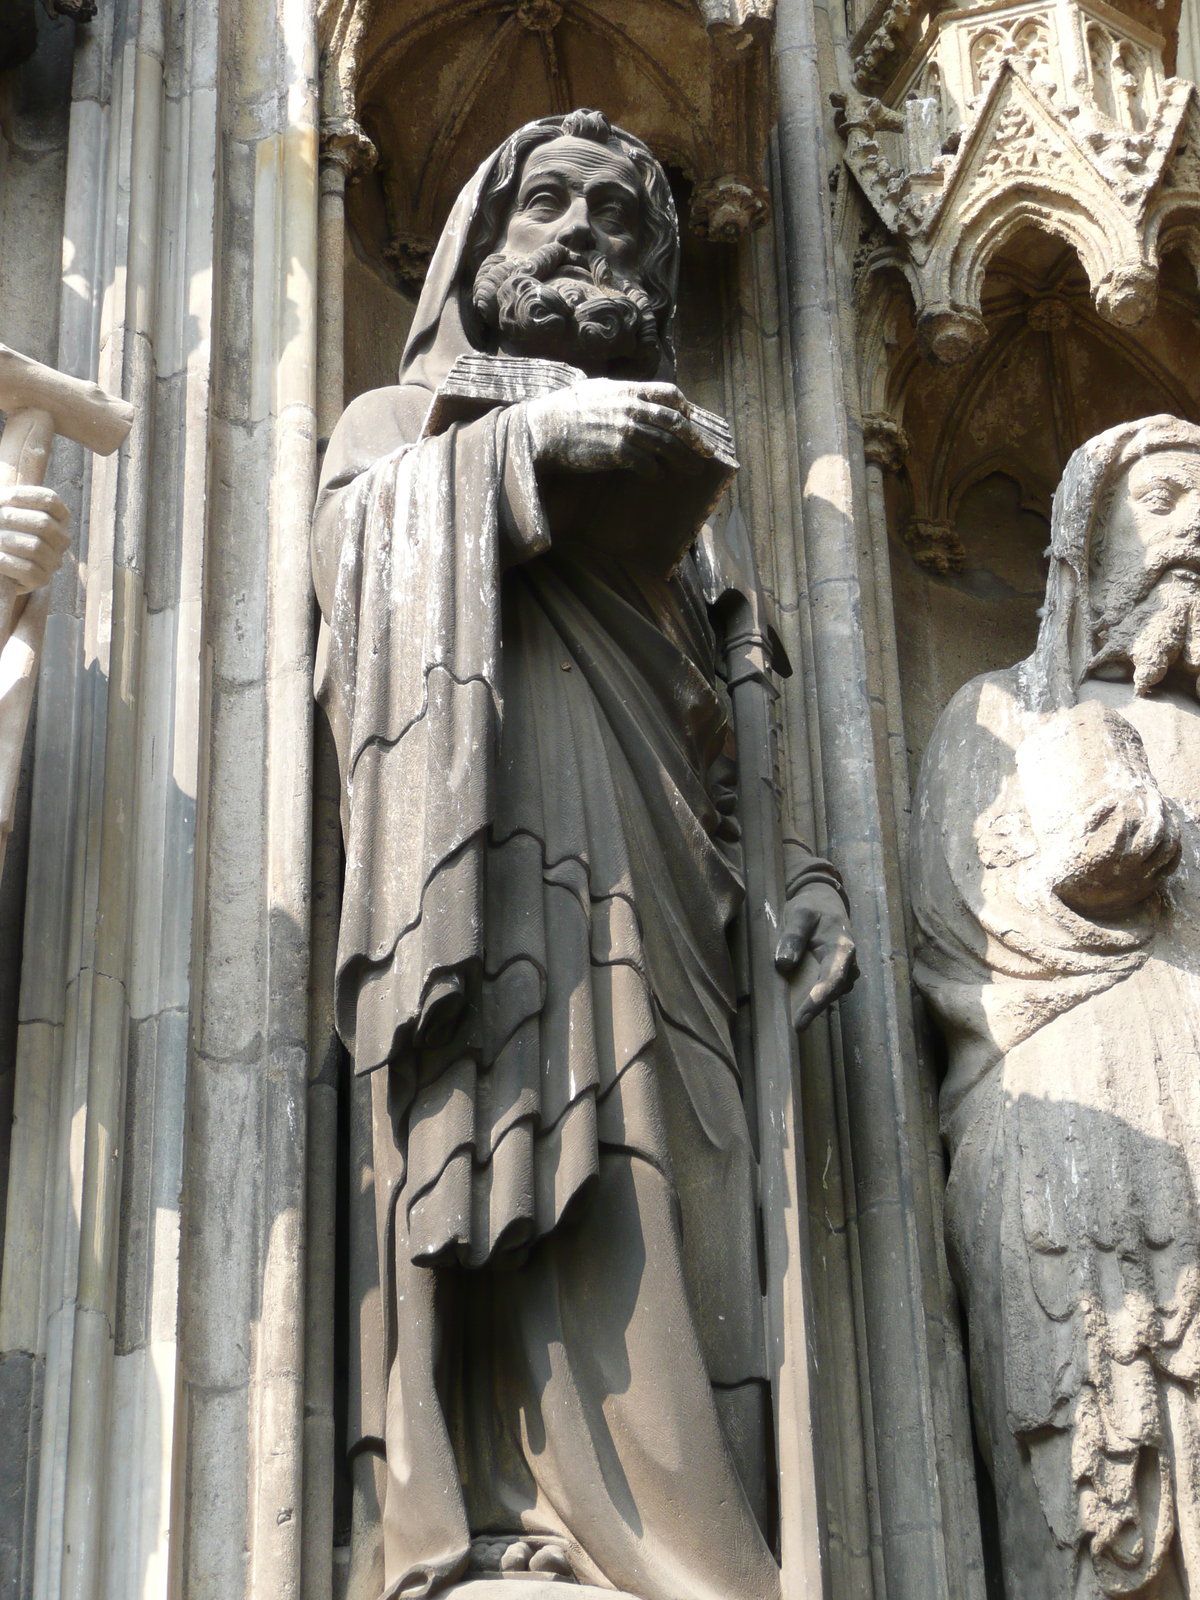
(529, 1586)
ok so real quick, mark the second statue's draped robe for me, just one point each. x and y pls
(531, 862)
(1071, 1108)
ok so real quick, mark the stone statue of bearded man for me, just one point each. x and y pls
(562, 1370)
(1056, 888)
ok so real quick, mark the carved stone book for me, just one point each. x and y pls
(652, 521)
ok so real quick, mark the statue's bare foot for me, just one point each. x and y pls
(509, 1555)
(551, 1558)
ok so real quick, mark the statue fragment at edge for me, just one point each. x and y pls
(563, 1369)
(1056, 886)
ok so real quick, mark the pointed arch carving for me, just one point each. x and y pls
(1057, 116)
(1023, 400)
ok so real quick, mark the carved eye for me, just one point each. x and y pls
(612, 214)
(542, 203)
(1160, 497)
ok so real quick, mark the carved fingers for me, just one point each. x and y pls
(602, 425)
(1106, 833)
(670, 435)
(815, 923)
(34, 535)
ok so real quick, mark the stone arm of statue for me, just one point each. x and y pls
(34, 535)
(1106, 836)
(372, 427)
(597, 426)
(816, 923)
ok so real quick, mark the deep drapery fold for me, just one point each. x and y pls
(485, 849)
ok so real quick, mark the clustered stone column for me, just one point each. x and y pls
(927, 1528)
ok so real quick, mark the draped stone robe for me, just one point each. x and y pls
(1071, 1109)
(534, 969)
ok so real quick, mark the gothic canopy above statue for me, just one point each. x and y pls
(1056, 114)
(422, 92)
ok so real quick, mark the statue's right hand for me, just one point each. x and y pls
(602, 424)
(34, 535)
(1107, 833)
(1125, 845)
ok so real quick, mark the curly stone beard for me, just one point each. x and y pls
(1159, 632)
(592, 324)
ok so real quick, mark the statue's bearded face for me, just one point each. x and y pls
(1145, 570)
(563, 282)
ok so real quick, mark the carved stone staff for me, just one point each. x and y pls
(40, 403)
(727, 566)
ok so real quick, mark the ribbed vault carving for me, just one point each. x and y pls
(1049, 372)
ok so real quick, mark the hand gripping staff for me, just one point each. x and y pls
(40, 402)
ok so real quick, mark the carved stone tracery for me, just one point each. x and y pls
(1057, 116)
(340, 28)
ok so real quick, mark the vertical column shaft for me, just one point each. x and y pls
(877, 1095)
(877, 459)
(103, 990)
(323, 1042)
(277, 1377)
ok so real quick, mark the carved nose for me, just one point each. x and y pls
(576, 229)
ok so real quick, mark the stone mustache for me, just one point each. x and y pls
(1057, 902)
(562, 1368)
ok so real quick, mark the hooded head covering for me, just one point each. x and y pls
(447, 325)
(1066, 640)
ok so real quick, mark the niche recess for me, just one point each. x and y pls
(968, 511)
(415, 95)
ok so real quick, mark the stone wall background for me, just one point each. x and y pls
(182, 119)
(171, 1250)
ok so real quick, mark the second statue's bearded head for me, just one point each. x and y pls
(1123, 599)
(583, 250)
(1145, 568)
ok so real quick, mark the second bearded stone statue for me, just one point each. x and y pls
(1055, 889)
(567, 1373)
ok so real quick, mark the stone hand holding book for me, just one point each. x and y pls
(648, 518)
